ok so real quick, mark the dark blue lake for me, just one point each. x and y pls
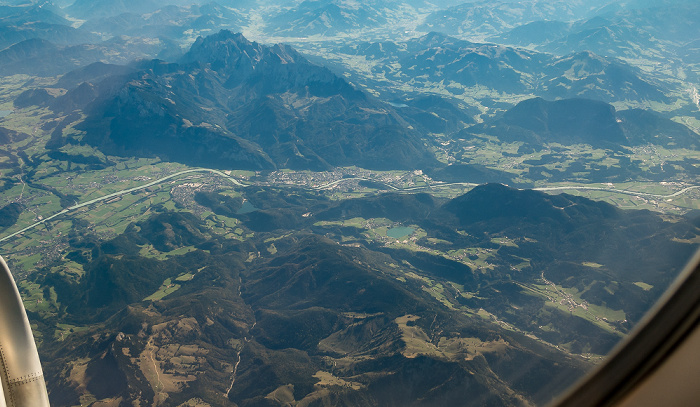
(399, 232)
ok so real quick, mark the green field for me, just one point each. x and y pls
(167, 288)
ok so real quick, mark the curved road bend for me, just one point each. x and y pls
(126, 191)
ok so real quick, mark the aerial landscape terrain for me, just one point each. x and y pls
(339, 202)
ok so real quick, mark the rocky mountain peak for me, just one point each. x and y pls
(225, 51)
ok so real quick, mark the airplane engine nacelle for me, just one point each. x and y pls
(20, 369)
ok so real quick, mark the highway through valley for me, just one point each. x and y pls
(329, 185)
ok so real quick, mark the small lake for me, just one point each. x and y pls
(399, 232)
(4, 113)
(247, 207)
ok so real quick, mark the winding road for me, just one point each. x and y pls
(119, 193)
(619, 191)
(543, 189)
(331, 184)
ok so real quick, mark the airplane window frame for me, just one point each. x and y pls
(632, 364)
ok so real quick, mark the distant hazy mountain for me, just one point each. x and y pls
(534, 33)
(29, 21)
(486, 18)
(27, 12)
(88, 9)
(604, 38)
(588, 75)
(582, 121)
(23, 57)
(672, 20)
(98, 9)
(234, 103)
(43, 58)
(168, 22)
(650, 30)
(438, 58)
(328, 17)
(56, 33)
(493, 66)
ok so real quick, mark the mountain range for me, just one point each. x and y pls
(648, 30)
(328, 17)
(485, 18)
(365, 240)
(85, 9)
(315, 322)
(40, 57)
(171, 22)
(43, 21)
(436, 58)
(229, 103)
